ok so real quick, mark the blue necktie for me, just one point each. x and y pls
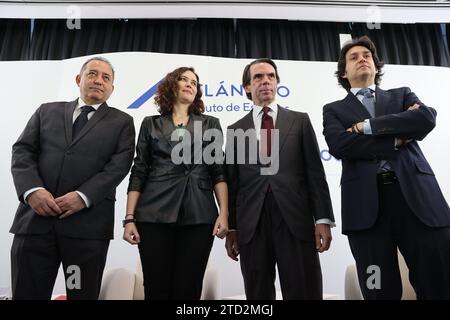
(368, 101)
(81, 120)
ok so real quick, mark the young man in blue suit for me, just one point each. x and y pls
(390, 197)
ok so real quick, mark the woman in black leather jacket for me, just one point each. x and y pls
(171, 212)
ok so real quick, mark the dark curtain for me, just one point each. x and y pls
(414, 44)
(14, 39)
(291, 40)
(53, 40)
(417, 44)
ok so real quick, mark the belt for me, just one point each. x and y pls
(388, 177)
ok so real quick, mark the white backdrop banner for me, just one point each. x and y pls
(304, 86)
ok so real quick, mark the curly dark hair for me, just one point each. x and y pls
(246, 76)
(363, 41)
(166, 97)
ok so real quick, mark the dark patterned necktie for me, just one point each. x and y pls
(267, 124)
(368, 101)
(81, 120)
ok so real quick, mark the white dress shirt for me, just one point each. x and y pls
(257, 114)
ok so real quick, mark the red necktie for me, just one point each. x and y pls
(267, 124)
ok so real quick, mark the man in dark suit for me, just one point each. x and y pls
(390, 196)
(279, 203)
(66, 166)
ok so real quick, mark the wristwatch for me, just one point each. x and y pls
(124, 222)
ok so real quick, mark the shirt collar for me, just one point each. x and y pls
(81, 103)
(258, 109)
(356, 90)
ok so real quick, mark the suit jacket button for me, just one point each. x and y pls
(186, 172)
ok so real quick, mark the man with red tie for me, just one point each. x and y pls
(280, 216)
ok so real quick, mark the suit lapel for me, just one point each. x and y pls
(381, 102)
(247, 122)
(98, 115)
(355, 106)
(68, 120)
(283, 124)
(166, 128)
(190, 126)
(196, 149)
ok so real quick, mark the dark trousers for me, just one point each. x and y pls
(35, 260)
(174, 259)
(273, 244)
(426, 251)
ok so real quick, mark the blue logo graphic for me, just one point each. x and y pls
(144, 97)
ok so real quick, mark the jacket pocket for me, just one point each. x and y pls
(424, 167)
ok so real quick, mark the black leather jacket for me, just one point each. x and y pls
(171, 192)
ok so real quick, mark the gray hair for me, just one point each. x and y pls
(98, 58)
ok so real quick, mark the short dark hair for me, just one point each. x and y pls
(246, 77)
(98, 58)
(166, 94)
(363, 41)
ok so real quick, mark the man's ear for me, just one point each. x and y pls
(344, 75)
(78, 79)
